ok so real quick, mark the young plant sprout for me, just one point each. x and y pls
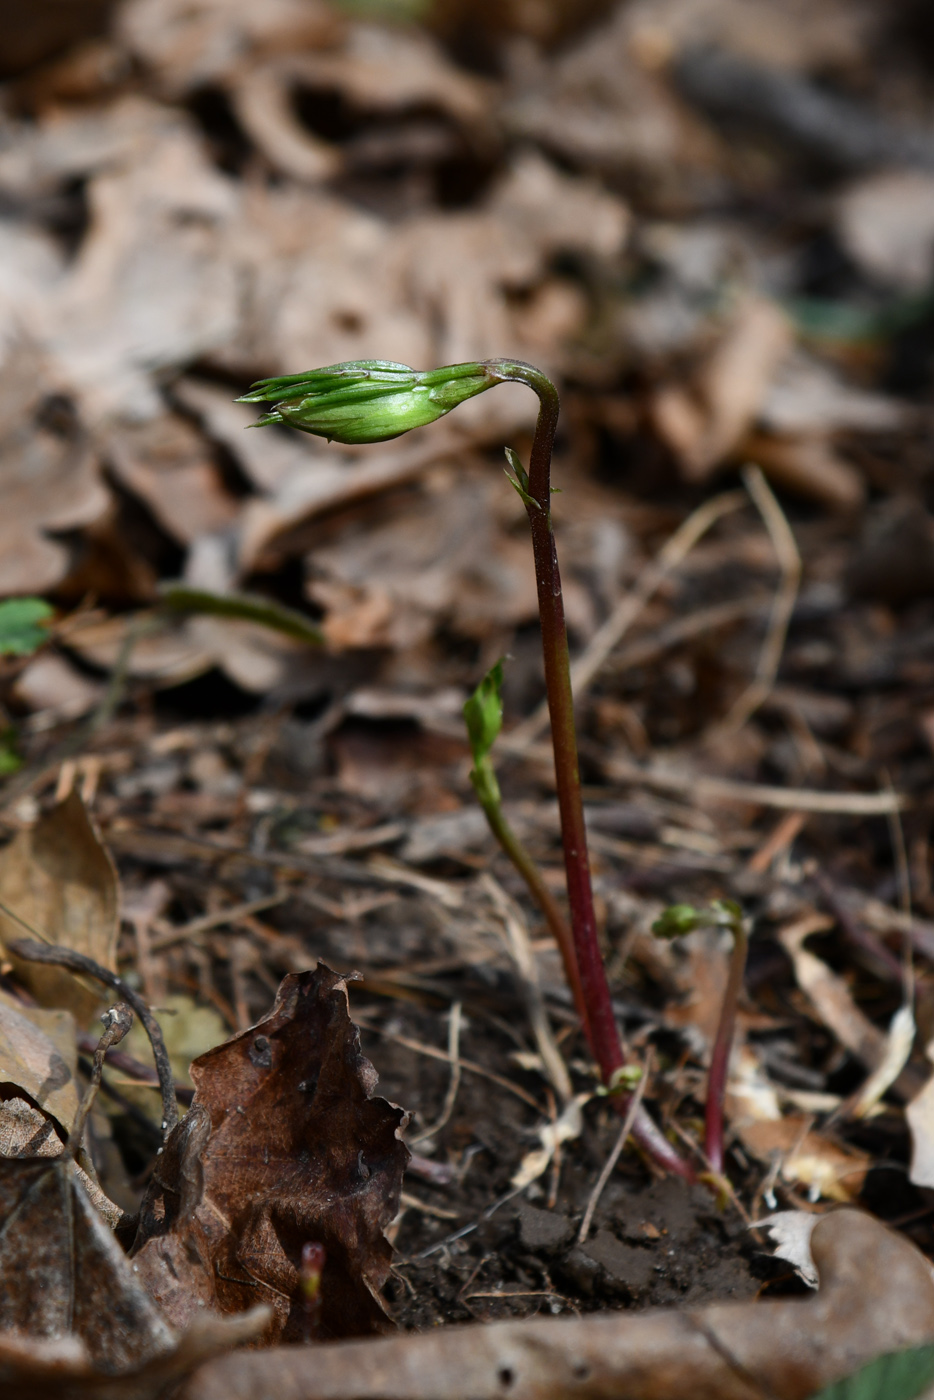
(483, 715)
(679, 919)
(374, 400)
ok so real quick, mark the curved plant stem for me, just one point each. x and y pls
(551, 910)
(723, 1044)
(536, 494)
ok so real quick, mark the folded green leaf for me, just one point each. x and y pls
(483, 714)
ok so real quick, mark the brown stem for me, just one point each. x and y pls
(603, 1030)
(723, 1044)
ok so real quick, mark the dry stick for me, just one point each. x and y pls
(454, 1048)
(722, 1047)
(838, 804)
(536, 494)
(117, 1022)
(520, 950)
(615, 1155)
(789, 562)
(549, 907)
(431, 1052)
(56, 956)
(206, 922)
(612, 631)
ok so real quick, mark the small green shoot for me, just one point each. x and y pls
(899, 1375)
(23, 625)
(520, 481)
(483, 715)
(674, 922)
(367, 401)
(10, 759)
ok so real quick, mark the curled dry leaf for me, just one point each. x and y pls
(32, 1060)
(75, 1319)
(731, 1351)
(730, 390)
(48, 480)
(285, 1145)
(60, 879)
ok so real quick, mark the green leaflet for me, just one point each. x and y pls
(899, 1375)
(22, 625)
(483, 714)
(679, 919)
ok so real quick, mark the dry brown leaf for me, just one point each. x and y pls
(75, 1319)
(438, 557)
(150, 286)
(167, 464)
(299, 1151)
(51, 684)
(808, 465)
(263, 100)
(829, 994)
(44, 1065)
(786, 1349)
(807, 1158)
(188, 43)
(886, 224)
(48, 480)
(705, 426)
(599, 106)
(806, 398)
(60, 879)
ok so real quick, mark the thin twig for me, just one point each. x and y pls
(520, 950)
(206, 922)
(840, 804)
(117, 1022)
(431, 1052)
(612, 631)
(616, 1153)
(56, 956)
(789, 562)
(454, 1050)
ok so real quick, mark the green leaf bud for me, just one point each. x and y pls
(483, 713)
(363, 401)
(677, 920)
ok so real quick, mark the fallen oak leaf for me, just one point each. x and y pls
(57, 877)
(73, 1311)
(30, 1060)
(299, 1152)
(784, 1350)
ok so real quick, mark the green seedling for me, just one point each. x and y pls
(373, 400)
(483, 715)
(677, 920)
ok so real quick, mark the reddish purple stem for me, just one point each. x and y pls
(603, 1030)
(720, 1056)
